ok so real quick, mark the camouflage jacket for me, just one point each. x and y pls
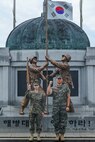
(37, 101)
(60, 95)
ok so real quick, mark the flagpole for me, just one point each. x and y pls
(46, 28)
(81, 18)
(46, 34)
(14, 14)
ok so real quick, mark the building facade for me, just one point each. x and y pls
(28, 39)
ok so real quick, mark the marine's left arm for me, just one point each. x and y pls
(68, 99)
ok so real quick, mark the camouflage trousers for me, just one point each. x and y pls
(35, 122)
(59, 119)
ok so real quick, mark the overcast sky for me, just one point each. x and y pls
(28, 9)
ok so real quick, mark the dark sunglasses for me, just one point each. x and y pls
(59, 78)
(36, 85)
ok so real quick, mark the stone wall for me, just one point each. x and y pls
(13, 60)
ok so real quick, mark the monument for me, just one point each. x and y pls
(28, 39)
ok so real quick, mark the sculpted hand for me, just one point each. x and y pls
(42, 113)
(50, 83)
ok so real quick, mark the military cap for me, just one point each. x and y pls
(31, 59)
(68, 57)
(36, 82)
(59, 76)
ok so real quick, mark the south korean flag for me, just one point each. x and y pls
(59, 10)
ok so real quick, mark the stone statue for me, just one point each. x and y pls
(33, 73)
(64, 70)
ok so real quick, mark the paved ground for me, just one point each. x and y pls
(47, 140)
(13, 111)
(48, 136)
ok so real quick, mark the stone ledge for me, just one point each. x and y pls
(47, 136)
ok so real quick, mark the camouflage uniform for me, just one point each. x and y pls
(37, 105)
(60, 95)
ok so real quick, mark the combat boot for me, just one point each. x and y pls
(22, 110)
(57, 137)
(31, 137)
(62, 137)
(38, 137)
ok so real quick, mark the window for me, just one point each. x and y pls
(21, 83)
(74, 91)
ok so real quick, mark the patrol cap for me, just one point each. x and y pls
(36, 82)
(68, 57)
(59, 76)
(31, 59)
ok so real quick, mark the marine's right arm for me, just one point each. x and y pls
(49, 89)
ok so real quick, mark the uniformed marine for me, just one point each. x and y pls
(61, 102)
(36, 109)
